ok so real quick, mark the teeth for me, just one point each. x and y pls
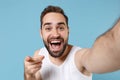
(55, 41)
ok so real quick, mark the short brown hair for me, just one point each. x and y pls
(55, 9)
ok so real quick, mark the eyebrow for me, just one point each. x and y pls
(47, 23)
(60, 23)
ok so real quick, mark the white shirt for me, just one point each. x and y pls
(66, 71)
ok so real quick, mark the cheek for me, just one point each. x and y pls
(65, 34)
(44, 37)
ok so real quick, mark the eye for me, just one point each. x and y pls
(61, 28)
(48, 28)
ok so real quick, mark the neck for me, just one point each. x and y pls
(61, 59)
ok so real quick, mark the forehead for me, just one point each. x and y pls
(53, 18)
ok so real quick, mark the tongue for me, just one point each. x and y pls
(55, 47)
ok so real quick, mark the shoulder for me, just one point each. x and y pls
(79, 60)
(82, 51)
(75, 49)
(36, 53)
(80, 54)
(40, 51)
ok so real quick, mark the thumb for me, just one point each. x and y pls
(41, 57)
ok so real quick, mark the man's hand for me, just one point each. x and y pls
(32, 66)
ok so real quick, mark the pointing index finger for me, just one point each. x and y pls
(34, 59)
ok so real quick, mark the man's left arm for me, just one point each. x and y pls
(104, 56)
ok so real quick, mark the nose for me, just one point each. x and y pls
(55, 33)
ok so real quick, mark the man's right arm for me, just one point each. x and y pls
(32, 66)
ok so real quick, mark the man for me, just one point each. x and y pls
(59, 60)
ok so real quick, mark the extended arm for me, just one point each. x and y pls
(104, 56)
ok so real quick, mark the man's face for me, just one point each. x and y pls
(55, 33)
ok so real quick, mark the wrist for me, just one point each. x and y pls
(29, 76)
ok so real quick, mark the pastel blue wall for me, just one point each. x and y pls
(19, 29)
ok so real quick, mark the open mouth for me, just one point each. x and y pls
(55, 45)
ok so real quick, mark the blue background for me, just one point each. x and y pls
(19, 30)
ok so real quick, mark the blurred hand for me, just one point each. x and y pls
(32, 65)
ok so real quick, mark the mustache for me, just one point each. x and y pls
(55, 38)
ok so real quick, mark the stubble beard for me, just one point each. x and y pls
(56, 54)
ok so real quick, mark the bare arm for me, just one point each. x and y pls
(104, 56)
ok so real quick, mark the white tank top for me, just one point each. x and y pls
(66, 71)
